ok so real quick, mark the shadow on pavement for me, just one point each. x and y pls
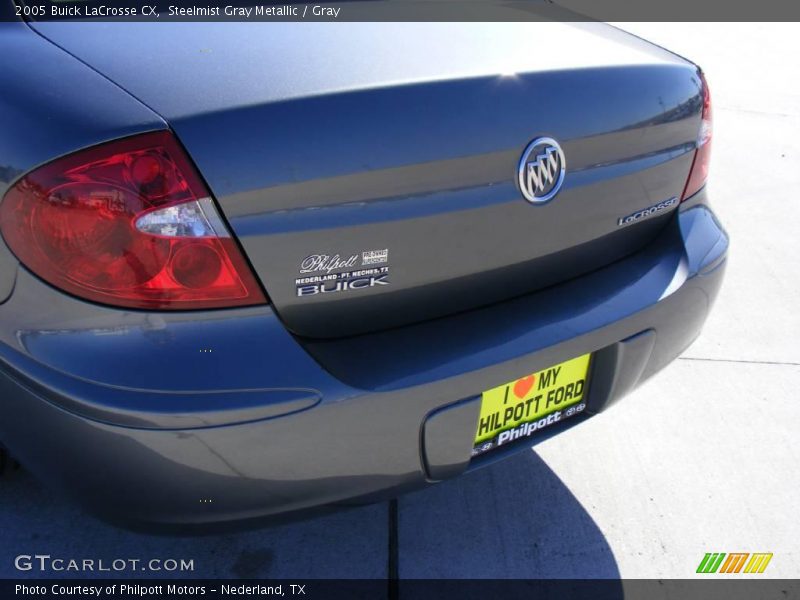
(512, 519)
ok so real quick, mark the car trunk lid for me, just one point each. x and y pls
(386, 192)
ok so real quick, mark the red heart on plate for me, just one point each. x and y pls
(524, 385)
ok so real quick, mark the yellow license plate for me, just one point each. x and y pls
(518, 408)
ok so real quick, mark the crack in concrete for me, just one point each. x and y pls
(741, 361)
(751, 111)
(393, 567)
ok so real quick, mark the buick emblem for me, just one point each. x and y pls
(541, 170)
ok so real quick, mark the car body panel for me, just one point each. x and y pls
(356, 442)
(283, 408)
(182, 70)
(45, 113)
(380, 151)
(453, 226)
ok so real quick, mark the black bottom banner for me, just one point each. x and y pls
(417, 589)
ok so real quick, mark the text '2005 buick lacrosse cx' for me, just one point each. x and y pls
(282, 283)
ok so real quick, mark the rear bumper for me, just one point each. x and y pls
(203, 418)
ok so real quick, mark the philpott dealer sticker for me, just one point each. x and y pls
(331, 274)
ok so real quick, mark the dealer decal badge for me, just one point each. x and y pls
(331, 274)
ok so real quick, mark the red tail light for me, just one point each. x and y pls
(702, 156)
(128, 223)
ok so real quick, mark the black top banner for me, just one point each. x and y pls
(402, 10)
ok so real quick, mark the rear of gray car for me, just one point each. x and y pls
(432, 245)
